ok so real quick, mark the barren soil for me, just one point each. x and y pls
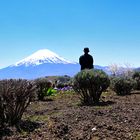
(63, 118)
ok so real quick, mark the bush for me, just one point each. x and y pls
(90, 84)
(42, 87)
(122, 85)
(63, 81)
(15, 96)
(136, 76)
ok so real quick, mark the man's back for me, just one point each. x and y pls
(86, 61)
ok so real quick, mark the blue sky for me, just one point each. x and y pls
(110, 28)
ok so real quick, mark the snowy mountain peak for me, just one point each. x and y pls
(43, 56)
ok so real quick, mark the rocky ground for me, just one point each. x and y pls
(63, 118)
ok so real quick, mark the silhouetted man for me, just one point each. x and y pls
(86, 60)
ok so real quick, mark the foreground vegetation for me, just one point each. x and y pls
(56, 109)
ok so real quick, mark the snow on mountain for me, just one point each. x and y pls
(41, 63)
(43, 56)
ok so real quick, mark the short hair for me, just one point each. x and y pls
(86, 49)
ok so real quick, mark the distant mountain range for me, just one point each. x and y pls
(42, 63)
(137, 69)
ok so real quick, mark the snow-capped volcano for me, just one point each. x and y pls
(43, 56)
(39, 64)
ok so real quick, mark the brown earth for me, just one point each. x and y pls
(63, 118)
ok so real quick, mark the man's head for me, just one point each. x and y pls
(86, 50)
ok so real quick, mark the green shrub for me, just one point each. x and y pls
(90, 84)
(63, 81)
(42, 87)
(122, 85)
(136, 76)
(15, 96)
(60, 85)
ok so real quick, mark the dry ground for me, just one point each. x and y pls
(63, 118)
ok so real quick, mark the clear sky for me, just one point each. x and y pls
(110, 28)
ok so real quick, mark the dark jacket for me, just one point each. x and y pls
(86, 61)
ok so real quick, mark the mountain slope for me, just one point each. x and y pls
(41, 63)
(31, 72)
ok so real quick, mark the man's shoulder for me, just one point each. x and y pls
(89, 55)
(81, 56)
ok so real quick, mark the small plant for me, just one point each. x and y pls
(90, 84)
(63, 81)
(122, 85)
(43, 86)
(15, 96)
